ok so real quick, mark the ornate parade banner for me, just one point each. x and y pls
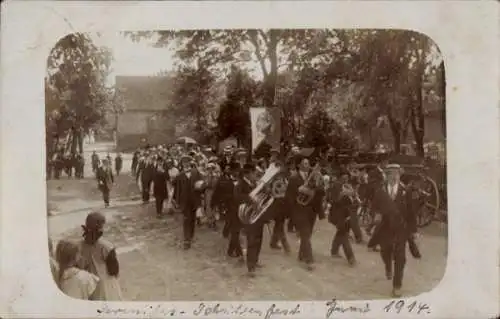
(266, 126)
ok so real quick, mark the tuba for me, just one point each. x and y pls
(306, 192)
(272, 185)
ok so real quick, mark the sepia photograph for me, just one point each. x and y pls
(246, 164)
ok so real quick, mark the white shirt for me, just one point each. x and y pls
(392, 190)
(303, 175)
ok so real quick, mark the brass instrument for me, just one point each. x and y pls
(349, 191)
(272, 185)
(306, 192)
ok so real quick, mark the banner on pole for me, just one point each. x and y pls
(266, 126)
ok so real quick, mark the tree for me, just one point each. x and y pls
(322, 131)
(396, 64)
(234, 118)
(270, 49)
(76, 97)
(192, 97)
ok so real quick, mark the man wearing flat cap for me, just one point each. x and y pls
(395, 203)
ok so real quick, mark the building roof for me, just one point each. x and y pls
(144, 92)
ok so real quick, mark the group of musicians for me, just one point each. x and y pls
(209, 187)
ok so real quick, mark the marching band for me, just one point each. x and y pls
(248, 194)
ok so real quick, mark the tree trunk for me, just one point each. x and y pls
(271, 80)
(396, 134)
(418, 122)
(443, 96)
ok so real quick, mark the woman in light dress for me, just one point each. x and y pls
(73, 281)
(99, 258)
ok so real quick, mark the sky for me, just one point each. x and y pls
(134, 58)
(141, 58)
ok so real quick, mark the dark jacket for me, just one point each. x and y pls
(398, 215)
(160, 178)
(187, 197)
(104, 178)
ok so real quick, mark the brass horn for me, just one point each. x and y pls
(272, 185)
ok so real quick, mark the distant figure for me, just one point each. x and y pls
(135, 162)
(99, 258)
(91, 136)
(105, 181)
(118, 164)
(72, 281)
(95, 162)
(80, 166)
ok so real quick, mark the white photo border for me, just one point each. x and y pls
(466, 33)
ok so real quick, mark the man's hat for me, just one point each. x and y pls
(94, 221)
(274, 150)
(186, 159)
(392, 166)
(241, 152)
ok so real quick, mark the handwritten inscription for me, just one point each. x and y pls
(147, 311)
(399, 306)
(205, 310)
(335, 306)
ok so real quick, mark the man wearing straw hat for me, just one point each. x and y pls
(398, 224)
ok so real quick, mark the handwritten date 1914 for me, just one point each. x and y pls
(399, 306)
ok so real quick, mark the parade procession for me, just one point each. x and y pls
(311, 169)
(240, 195)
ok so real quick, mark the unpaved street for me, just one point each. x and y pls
(154, 266)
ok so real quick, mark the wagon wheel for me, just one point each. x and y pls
(428, 200)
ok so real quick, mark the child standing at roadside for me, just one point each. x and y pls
(73, 281)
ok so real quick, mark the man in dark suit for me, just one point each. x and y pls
(303, 216)
(398, 225)
(160, 179)
(255, 231)
(235, 191)
(189, 185)
(227, 157)
(279, 212)
(340, 216)
(105, 180)
(223, 197)
(135, 162)
(146, 172)
(118, 163)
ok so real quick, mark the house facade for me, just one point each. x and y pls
(145, 119)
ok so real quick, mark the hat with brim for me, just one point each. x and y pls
(274, 151)
(241, 152)
(186, 159)
(392, 167)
